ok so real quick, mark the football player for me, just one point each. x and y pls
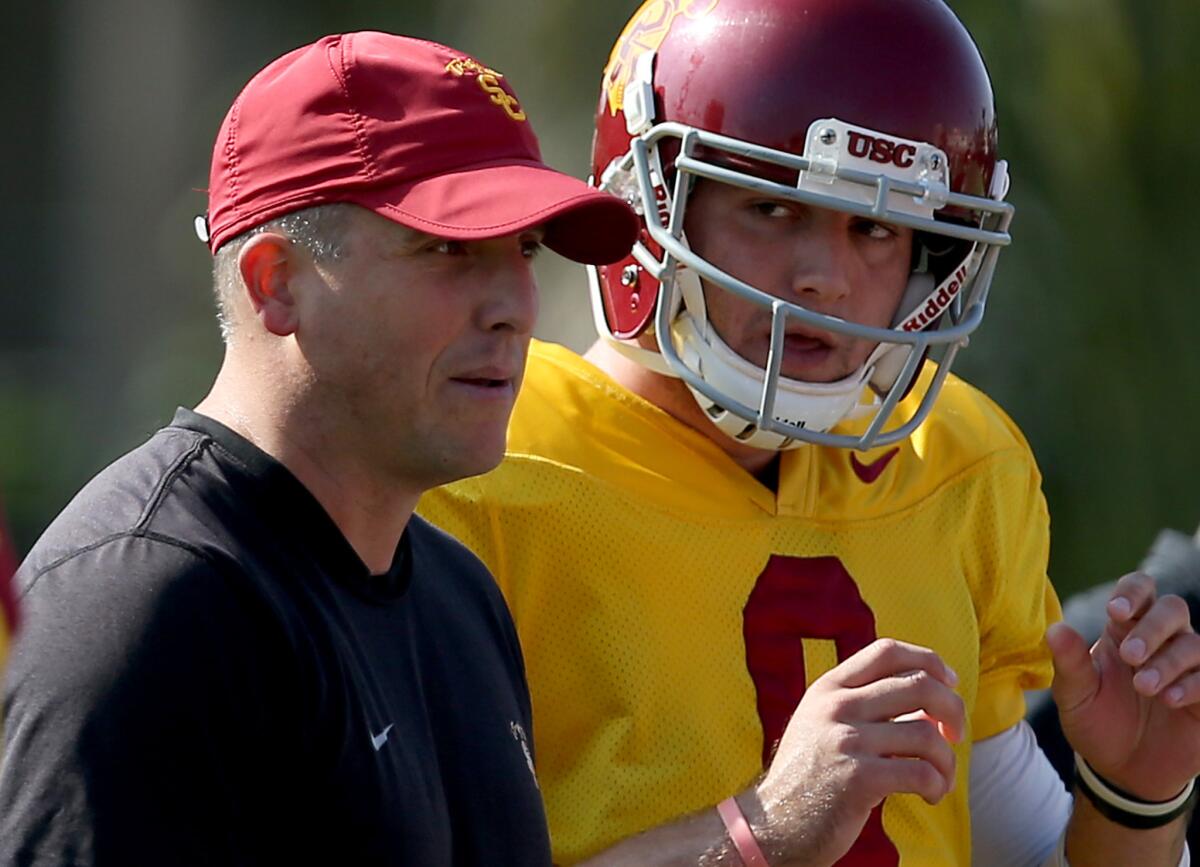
(780, 577)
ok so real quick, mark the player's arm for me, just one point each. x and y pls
(1130, 707)
(1019, 805)
(875, 725)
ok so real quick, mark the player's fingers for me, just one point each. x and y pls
(912, 739)
(1166, 618)
(914, 776)
(1184, 692)
(1174, 660)
(1131, 597)
(902, 694)
(1075, 677)
(943, 728)
(887, 656)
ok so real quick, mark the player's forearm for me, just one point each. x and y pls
(1095, 841)
(696, 840)
(700, 840)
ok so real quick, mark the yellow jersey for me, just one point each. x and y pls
(672, 609)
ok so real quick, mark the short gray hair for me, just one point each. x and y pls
(320, 230)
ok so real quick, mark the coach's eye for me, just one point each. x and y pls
(448, 247)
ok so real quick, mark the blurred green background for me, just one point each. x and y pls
(111, 107)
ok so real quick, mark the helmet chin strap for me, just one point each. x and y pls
(815, 406)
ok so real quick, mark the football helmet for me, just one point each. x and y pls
(879, 108)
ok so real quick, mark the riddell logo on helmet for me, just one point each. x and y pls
(880, 150)
(937, 303)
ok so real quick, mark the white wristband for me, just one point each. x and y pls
(1148, 809)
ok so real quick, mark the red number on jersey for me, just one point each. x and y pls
(796, 598)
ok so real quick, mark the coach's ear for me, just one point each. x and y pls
(266, 265)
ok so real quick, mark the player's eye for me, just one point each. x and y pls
(771, 209)
(874, 230)
(531, 249)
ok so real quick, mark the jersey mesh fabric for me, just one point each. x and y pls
(672, 609)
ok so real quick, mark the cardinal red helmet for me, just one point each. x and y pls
(880, 108)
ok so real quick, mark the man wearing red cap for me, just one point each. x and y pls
(240, 645)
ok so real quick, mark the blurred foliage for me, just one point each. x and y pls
(1091, 337)
(1089, 343)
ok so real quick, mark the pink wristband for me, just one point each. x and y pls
(740, 833)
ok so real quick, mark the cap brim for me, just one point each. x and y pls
(495, 199)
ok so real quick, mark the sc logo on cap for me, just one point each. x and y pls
(489, 83)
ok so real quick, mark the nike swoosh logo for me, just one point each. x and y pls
(377, 741)
(868, 473)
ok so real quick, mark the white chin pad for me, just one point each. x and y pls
(815, 406)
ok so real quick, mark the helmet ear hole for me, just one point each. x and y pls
(939, 254)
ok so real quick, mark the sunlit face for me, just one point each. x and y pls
(417, 345)
(825, 261)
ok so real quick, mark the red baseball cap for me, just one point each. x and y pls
(417, 132)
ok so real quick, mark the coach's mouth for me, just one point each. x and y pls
(483, 382)
(490, 381)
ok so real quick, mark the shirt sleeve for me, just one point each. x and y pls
(137, 694)
(1017, 602)
(1019, 806)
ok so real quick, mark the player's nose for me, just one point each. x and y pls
(821, 258)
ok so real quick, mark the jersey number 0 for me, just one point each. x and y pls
(797, 598)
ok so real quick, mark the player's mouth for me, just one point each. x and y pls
(806, 354)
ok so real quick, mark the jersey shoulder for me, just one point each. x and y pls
(966, 426)
(572, 418)
(966, 443)
(568, 407)
(569, 411)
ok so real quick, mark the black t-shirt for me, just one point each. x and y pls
(208, 675)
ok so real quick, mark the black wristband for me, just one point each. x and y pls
(1126, 810)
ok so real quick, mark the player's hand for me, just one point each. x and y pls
(877, 724)
(1131, 704)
